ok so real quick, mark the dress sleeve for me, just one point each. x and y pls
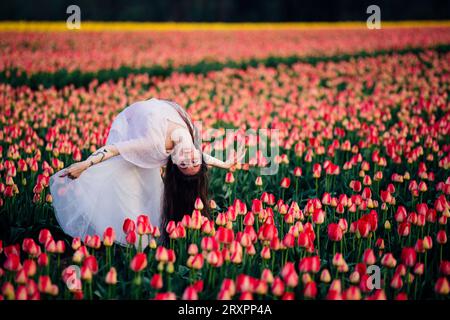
(139, 135)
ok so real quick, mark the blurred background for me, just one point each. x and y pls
(225, 10)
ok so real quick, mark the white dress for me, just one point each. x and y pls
(126, 185)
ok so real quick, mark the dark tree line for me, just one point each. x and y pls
(224, 10)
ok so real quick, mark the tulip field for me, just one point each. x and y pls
(357, 209)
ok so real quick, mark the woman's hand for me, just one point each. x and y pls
(236, 158)
(75, 170)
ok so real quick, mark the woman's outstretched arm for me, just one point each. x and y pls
(214, 162)
(102, 154)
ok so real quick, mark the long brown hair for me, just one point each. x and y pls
(181, 191)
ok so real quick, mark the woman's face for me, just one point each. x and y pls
(190, 161)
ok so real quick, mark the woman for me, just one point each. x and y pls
(123, 179)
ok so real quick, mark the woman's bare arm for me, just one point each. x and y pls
(214, 162)
(100, 155)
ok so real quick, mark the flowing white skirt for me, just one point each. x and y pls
(104, 196)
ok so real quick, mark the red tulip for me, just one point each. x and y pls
(267, 232)
(8, 290)
(363, 228)
(224, 235)
(143, 225)
(30, 247)
(93, 241)
(257, 206)
(309, 264)
(128, 226)
(404, 229)
(161, 254)
(442, 286)
(45, 284)
(30, 268)
(131, 238)
(42, 260)
(289, 275)
(444, 267)
(50, 246)
(91, 263)
(60, 246)
(401, 296)
(190, 293)
(441, 237)
(228, 286)
(369, 257)
(246, 296)
(278, 287)
(12, 263)
(111, 276)
(165, 296)
(317, 170)
(285, 183)
(229, 178)
(157, 281)
(44, 236)
(396, 281)
(352, 293)
(198, 205)
(139, 262)
(265, 253)
(409, 257)
(195, 261)
(310, 290)
(335, 232)
(76, 243)
(109, 237)
(21, 293)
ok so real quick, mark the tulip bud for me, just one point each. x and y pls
(139, 262)
(229, 178)
(76, 243)
(369, 257)
(198, 205)
(310, 291)
(278, 287)
(8, 291)
(157, 281)
(267, 276)
(441, 237)
(190, 293)
(354, 277)
(265, 253)
(170, 268)
(442, 286)
(325, 276)
(212, 204)
(43, 260)
(111, 276)
(352, 293)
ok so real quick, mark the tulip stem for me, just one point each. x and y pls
(317, 187)
(318, 239)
